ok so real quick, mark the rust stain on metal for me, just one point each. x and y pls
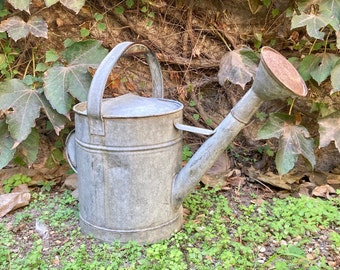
(284, 71)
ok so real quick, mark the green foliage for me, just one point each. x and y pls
(65, 82)
(186, 153)
(54, 92)
(14, 181)
(217, 234)
(294, 257)
(318, 66)
(50, 90)
(144, 9)
(321, 19)
(293, 140)
(266, 150)
(46, 185)
(7, 58)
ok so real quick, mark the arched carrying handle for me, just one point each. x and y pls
(94, 99)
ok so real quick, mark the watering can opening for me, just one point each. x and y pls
(283, 71)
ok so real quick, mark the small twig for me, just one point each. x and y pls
(259, 181)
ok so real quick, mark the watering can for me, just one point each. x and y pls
(127, 151)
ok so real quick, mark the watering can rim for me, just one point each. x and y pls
(133, 111)
(294, 83)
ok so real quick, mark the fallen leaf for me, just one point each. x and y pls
(236, 181)
(14, 200)
(283, 181)
(306, 188)
(329, 129)
(234, 172)
(221, 165)
(323, 191)
(56, 261)
(213, 180)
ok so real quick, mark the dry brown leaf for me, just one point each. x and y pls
(306, 188)
(234, 172)
(333, 179)
(214, 180)
(19, 198)
(221, 165)
(236, 181)
(323, 191)
(284, 181)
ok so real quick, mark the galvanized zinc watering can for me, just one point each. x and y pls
(127, 150)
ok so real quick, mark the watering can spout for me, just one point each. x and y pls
(276, 78)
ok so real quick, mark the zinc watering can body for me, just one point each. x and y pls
(127, 150)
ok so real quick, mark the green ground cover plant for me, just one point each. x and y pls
(219, 233)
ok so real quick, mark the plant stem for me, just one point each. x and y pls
(221, 37)
(291, 107)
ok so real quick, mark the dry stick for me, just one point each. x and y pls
(188, 29)
(189, 24)
(194, 63)
(259, 181)
(167, 54)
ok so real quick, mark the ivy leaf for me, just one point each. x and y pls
(331, 9)
(335, 78)
(312, 22)
(21, 4)
(238, 66)
(29, 147)
(64, 82)
(55, 89)
(49, 3)
(329, 129)
(6, 146)
(293, 141)
(324, 67)
(273, 127)
(17, 28)
(74, 5)
(21, 105)
(318, 66)
(38, 26)
(308, 64)
(57, 120)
